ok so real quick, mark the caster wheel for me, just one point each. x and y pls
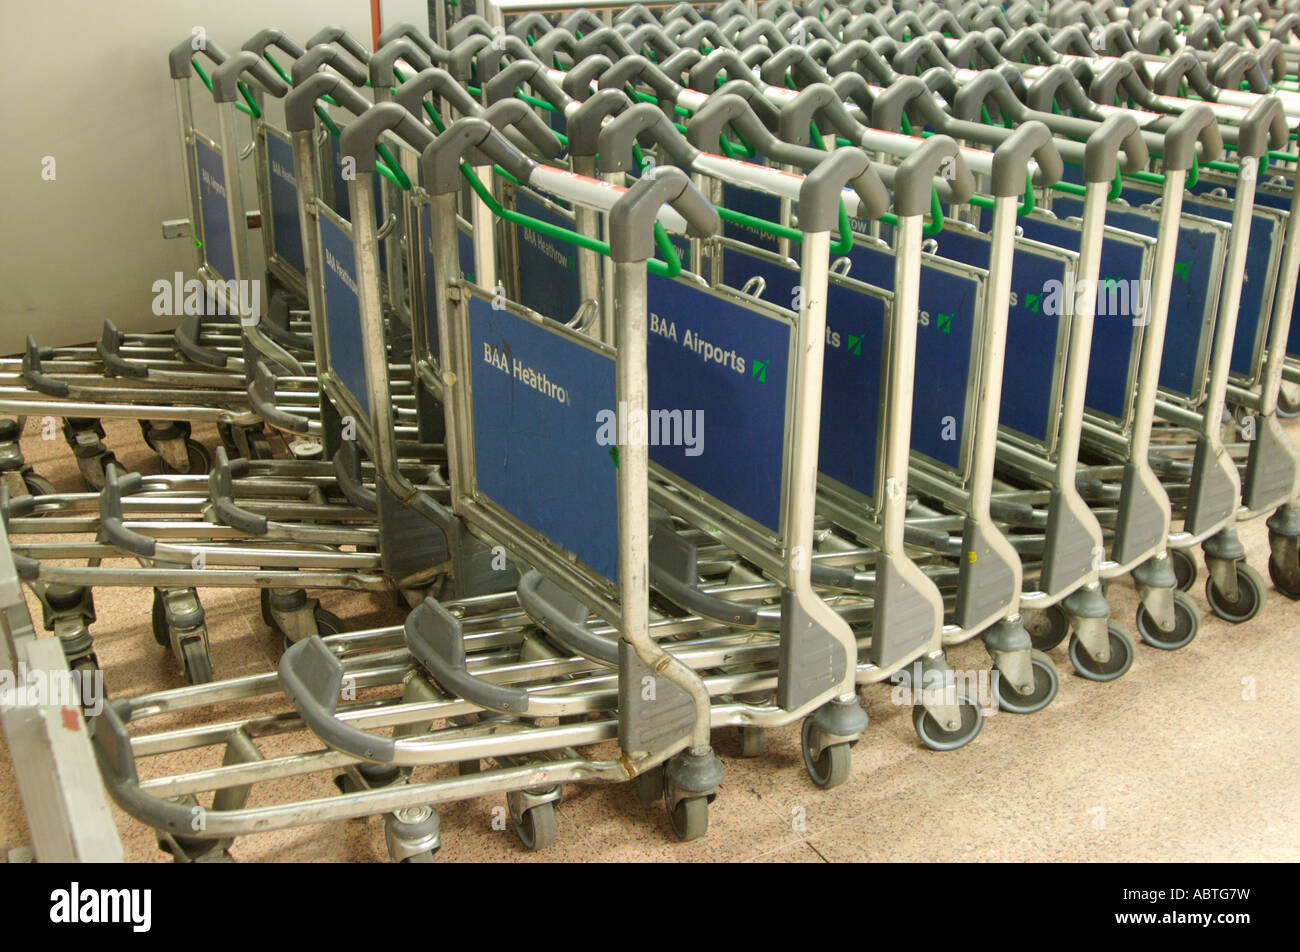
(328, 623)
(690, 818)
(431, 856)
(1047, 628)
(1288, 401)
(536, 827)
(937, 737)
(159, 620)
(1121, 657)
(200, 460)
(1184, 569)
(831, 767)
(650, 785)
(468, 767)
(86, 664)
(259, 447)
(264, 603)
(751, 741)
(1187, 621)
(198, 666)
(1250, 596)
(38, 485)
(1046, 684)
(227, 434)
(1288, 585)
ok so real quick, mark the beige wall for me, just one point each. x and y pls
(87, 83)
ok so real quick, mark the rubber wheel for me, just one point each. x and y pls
(38, 485)
(751, 741)
(1288, 402)
(200, 460)
(1046, 684)
(159, 619)
(831, 767)
(198, 666)
(690, 818)
(227, 434)
(259, 446)
(937, 737)
(1047, 628)
(1187, 621)
(1250, 596)
(1287, 585)
(650, 785)
(537, 828)
(1121, 657)
(328, 623)
(264, 603)
(429, 856)
(1185, 570)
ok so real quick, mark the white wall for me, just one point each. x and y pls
(86, 83)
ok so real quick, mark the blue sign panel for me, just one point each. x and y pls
(465, 250)
(1118, 299)
(343, 309)
(283, 220)
(718, 374)
(855, 341)
(548, 269)
(217, 248)
(1192, 286)
(1029, 380)
(539, 402)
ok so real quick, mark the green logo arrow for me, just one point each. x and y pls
(855, 344)
(945, 323)
(1031, 301)
(1180, 269)
(613, 454)
(760, 370)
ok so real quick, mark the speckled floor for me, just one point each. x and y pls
(1193, 755)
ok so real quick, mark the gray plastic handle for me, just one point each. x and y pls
(489, 59)
(705, 128)
(1011, 160)
(515, 114)
(631, 220)
(36, 378)
(585, 124)
(347, 473)
(442, 157)
(110, 343)
(261, 397)
(117, 485)
(225, 78)
(861, 57)
(937, 157)
(532, 25)
(577, 81)
(632, 68)
(359, 139)
(410, 95)
(917, 49)
(502, 85)
(318, 56)
(432, 51)
(796, 61)
(1244, 65)
(679, 64)
(548, 47)
(221, 493)
(643, 123)
(186, 337)
(605, 40)
(1203, 33)
(1101, 154)
(383, 64)
(300, 104)
(435, 638)
(260, 40)
(974, 47)
(818, 103)
(1185, 64)
(564, 617)
(1264, 126)
(1197, 123)
(703, 76)
(312, 678)
(819, 195)
(180, 59)
(1158, 36)
(337, 35)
